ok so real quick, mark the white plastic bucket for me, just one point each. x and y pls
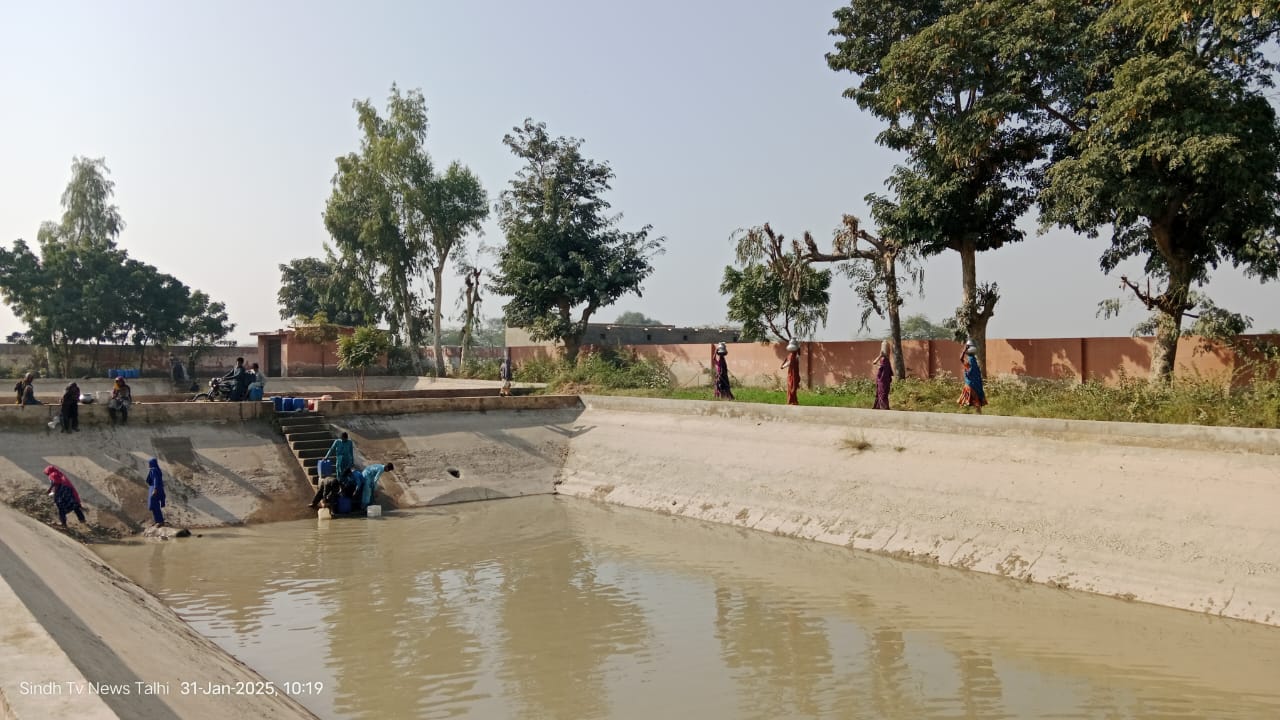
(374, 511)
(324, 513)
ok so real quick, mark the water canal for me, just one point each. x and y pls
(543, 607)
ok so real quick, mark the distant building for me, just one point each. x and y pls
(608, 334)
(284, 354)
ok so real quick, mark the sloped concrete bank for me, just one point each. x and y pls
(79, 640)
(1052, 503)
(461, 450)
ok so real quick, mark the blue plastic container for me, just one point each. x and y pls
(299, 404)
(255, 393)
(344, 504)
(276, 402)
(326, 468)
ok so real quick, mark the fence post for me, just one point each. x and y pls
(1084, 360)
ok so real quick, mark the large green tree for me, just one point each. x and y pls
(374, 212)
(83, 288)
(949, 95)
(774, 292)
(1168, 142)
(455, 206)
(564, 257)
(631, 317)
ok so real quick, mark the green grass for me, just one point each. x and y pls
(1195, 401)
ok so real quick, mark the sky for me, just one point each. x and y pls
(220, 123)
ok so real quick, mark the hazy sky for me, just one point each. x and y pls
(220, 123)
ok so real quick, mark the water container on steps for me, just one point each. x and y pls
(325, 468)
(276, 402)
(299, 404)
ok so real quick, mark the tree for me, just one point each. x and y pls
(875, 278)
(359, 351)
(68, 294)
(374, 213)
(1175, 150)
(635, 318)
(471, 311)
(204, 327)
(456, 205)
(775, 292)
(919, 327)
(316, 285)
(950, 95)
(562, 251)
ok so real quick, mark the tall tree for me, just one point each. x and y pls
(563, 251)
(776, 291)
(374, 213)
(455, 206)
(1169, 142)
(949, 95)
(875, 275)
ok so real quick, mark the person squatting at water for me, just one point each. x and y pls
(70, 409)
(371, 475)
(155, 496)
(120, 402)
(64, 494)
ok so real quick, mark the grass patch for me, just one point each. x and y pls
(856, 443)
(1195, 401)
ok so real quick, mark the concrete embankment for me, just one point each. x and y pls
(1139, 516)
(81, 641)
(225, 463)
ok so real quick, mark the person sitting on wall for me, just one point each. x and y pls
(26, 390)
(239, 378)
(120, 402)
(504, 374)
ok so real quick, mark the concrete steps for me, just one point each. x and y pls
(309, 436)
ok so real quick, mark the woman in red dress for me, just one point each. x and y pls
(792, 366)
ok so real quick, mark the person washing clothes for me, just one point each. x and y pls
(155, 496)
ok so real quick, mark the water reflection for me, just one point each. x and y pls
(554, 609)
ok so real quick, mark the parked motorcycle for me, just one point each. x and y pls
(219, 391)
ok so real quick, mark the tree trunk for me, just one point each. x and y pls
(438, 272)
(1171, 304)
(895, 319)
(975, 320)
(401, 297)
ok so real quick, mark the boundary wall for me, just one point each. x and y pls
(826, 364)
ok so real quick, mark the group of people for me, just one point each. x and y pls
(66, 499)
(359, 486)
(973, 395)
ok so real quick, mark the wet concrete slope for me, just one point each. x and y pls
(217, 473)
(447, 457)
(1185, 528)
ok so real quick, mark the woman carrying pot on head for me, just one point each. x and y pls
(720, 371)
(884, 377)
(792, 366)
(973, 395)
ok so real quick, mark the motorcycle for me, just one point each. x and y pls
(219, 391)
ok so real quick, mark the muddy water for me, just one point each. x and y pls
(553, 608)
